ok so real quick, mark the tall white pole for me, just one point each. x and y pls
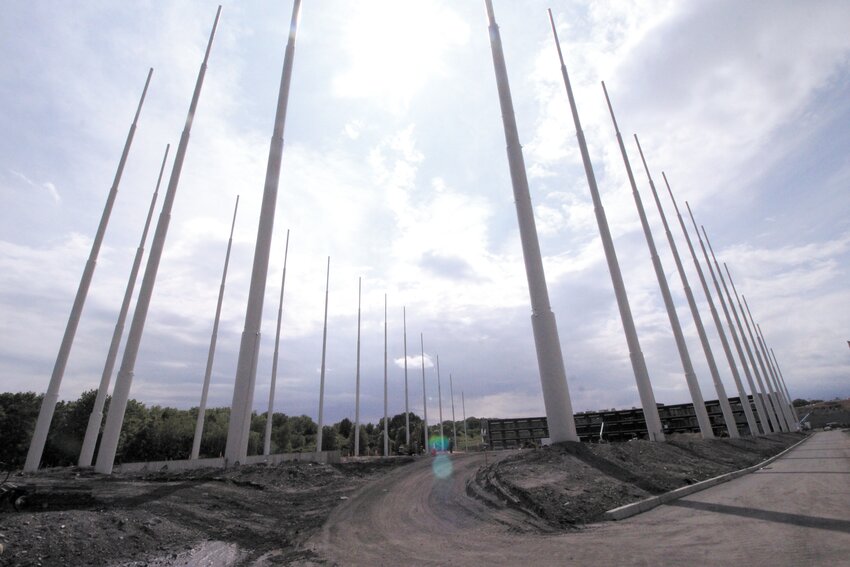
(745, 404)
(771, 392)
(454, 425)
(124, 380)
(406, 398)
(785, 385)
(48, 403)
(424, 395)
(267, 441)
(774, 395)
(465, 429)
(440, 403)
(772, 421)
(550, 361)
(96, 417)
(322, 374)
(239, 428)
(202, 408)
(644, 386)
(357, 381)
(680, 268)
(685, 358)
(786, 402)
(386, 416)
(725, 408)
(724, 401)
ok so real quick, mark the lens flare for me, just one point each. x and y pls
(438, 443)
(442, 467)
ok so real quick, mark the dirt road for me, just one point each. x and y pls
(794, 512)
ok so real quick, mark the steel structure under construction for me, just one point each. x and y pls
(611, 425)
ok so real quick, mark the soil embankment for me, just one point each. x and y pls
(288, 514)
(575, 483)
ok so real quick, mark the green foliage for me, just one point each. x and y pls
(159, 433)
(329, 439)
(344, 427)
(18, 413)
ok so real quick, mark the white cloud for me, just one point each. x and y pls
(394, 167)
(393, 51)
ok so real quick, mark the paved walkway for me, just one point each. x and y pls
(794, 512)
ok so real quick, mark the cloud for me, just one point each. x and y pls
(47, 186)
(394, 165)
(391, 76)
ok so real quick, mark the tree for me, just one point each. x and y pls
(329, 439)
(18, 414)
(344, 427)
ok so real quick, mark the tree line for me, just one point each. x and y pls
(158, 433)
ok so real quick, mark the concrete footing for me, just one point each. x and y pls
(647, 504)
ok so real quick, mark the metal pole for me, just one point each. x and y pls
(324, 352)
(745, 403)
(771, 393)
(96, 417)
(386, 417)
(202, 408)
(465, 428)
(786, 403)
(440, 404)
(725, 408)
(644, 386)
(406, 398)
(771, 416)
(774, 396)
(124, 380)
(454, 426)
(785, 385)
(678, 335)
(357, 380)
(424, 395)
(727, 350)
(239, 428)
(267, 441)
(553, 378)
(48, 403)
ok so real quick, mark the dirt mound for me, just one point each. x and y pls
(75, 517)
(575, 483)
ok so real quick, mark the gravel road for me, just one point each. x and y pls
(796, 511)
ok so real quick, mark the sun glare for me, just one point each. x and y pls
(394, 48)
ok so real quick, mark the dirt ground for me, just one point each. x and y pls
(251, 515)
(262, 515)
(575, 483)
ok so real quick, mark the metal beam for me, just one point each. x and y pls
(644, 386)
(267, 440)
(406, 397)
(324, 357)
(48, 403)
(124, 380)
(424, 395)
(249, 348)
(768, 406)
(96, 417)
(748, 412)
(357, 379)
(202, 408)
(550, 362)
(681, 345)
(728, 417)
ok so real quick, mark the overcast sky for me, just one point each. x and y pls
(394, 166)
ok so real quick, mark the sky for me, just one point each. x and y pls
(394, 166)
